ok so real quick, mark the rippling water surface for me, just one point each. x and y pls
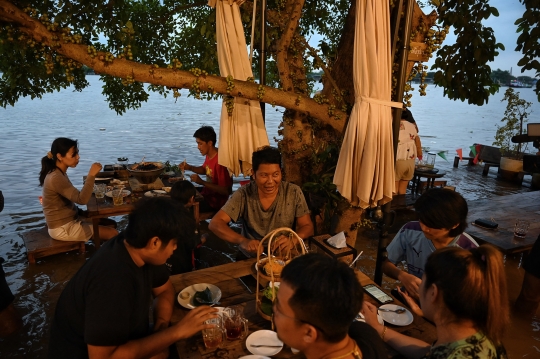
(162, 130)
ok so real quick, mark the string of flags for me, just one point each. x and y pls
(475, 150)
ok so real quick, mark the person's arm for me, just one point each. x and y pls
(411, 282)
(407, 346)
(197, 169)
(304, 226)
(163, 305)
(219, 225)
(223, 190)
(418, 144)
(145, 347)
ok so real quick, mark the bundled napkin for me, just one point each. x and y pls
(338, 241)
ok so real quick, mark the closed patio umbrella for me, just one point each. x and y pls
(365, 169)
(243, 132)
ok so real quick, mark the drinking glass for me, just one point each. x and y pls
(99, 190)
(234, 322)
(521, 227)
(213, 337)
(118, 197)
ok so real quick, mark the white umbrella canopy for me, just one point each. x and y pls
(365, 169)
(244, 131)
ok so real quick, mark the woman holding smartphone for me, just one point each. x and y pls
(60, 196)
(464, 293)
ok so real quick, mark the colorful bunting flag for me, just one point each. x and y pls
(460, 154)
(473, 150)
(443, 155)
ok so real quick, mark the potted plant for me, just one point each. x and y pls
(514, 117)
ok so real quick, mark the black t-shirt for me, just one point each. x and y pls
(368, 340)
(106, 303)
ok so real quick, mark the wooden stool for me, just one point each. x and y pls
(320, 242)
(39, 244)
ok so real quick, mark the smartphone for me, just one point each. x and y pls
(378, 294)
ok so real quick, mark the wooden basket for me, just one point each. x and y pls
(275, 255)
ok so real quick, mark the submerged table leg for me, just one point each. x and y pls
(96, 238)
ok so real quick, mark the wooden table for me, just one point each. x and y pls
(430, 176)
(104, 207)
(235, 292)
(505, 210)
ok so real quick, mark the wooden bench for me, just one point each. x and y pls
(39, 244)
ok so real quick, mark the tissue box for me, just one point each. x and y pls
(319, 243)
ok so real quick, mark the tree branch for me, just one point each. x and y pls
(171, 78)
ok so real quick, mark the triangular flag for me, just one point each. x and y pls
(475, 161)
(478, 149)
(443, 155)
(460, 154)
(473, 150)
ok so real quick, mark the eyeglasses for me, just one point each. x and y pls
(276, 310)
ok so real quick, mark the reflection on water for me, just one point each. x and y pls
(162, 130)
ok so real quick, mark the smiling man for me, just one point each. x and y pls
(442, 217)
(266, 203)
(218, 184)
(103, 311)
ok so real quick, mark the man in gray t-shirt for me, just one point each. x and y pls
(265, 204)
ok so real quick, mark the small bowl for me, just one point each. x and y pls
(166, 189)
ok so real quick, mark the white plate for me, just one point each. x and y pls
(394, 318)
(125, 193)
(264, 337)
(254, 357)
(192, 289)
(360, 318)
(155, 193)
(103, 178)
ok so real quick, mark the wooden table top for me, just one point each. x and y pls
(505, 210)
(234, 292)
(428, 174)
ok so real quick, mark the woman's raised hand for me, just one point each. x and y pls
(95, 168)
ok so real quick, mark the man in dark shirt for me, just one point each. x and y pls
(103, 311)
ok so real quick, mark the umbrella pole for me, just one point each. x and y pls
(402, 71)
(263, 53)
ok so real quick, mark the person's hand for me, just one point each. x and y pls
(195, 178)
(183, 166)
(95, 168)
(410, 302)
(250, 245)
(411, 283)
(370, 315)
(193, 322)
(161, 355)
(283, 243)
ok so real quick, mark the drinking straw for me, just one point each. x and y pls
(358, 256)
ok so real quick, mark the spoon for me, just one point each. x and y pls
(265, 346)
(398, 311)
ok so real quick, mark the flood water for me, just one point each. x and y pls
(162, 130)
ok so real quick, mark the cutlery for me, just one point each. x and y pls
(265, 346)
(398, 311)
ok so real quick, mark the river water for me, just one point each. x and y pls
(162, 130)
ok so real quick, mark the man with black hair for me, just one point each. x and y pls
(317, 302)
(218, 184)
(103, 310)
(442, 221)
(266, 203)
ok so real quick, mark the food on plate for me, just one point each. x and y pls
(275, 266)
(185, 295)
(166, 189)
(202, 297)
(145, 166)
